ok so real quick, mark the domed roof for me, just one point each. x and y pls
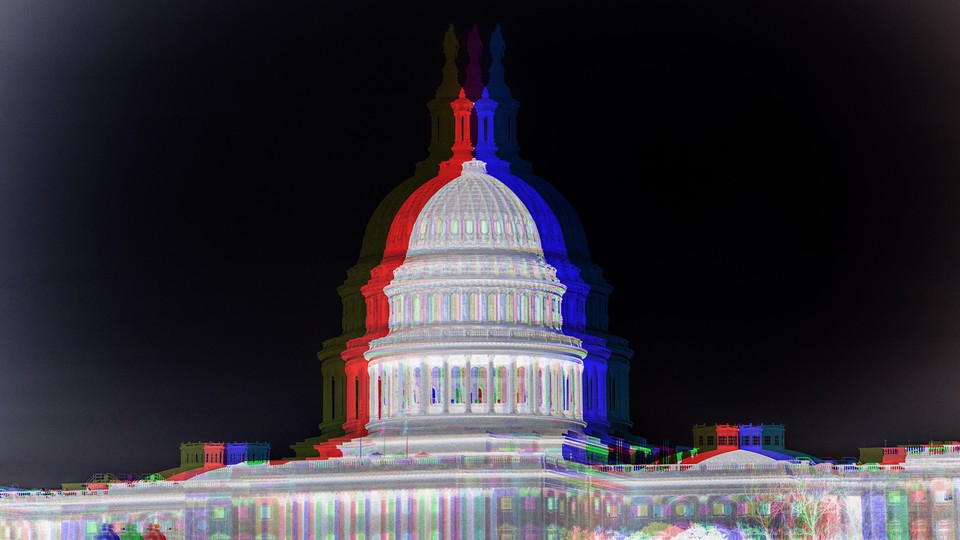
(474, 211)
(738, 457)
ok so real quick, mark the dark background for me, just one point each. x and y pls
(770, 187)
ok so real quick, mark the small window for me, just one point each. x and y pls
(776, 440)
(722, 509)
(700, 440)
(756, 440)
(745, 440)
(766, 440)
(506, 503)
(709, 440)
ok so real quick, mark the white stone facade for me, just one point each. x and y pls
(475, 321)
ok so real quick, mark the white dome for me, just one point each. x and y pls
(474, 211)
(475, 341)
(738, 457)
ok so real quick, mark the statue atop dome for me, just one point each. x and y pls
(474, 83)
(448, 84)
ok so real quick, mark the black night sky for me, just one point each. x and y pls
(771, 188)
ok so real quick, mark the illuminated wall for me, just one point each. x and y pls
(508, 496)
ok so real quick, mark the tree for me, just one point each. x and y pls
(804, 504)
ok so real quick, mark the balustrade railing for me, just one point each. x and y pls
(501, 462)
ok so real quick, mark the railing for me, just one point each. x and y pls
(791, 466)
(484, 333)
(467, 462)
(932, 449)
(500, 462)
(45, 494)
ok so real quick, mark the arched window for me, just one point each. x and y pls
(387, 397)
(456, 382)
(500, 384)
(436, 388)
(416, 387)
(481, 384)
(544, 391)
(555, 389)
(474, 387)
(398, 397)
(478, 384)
(435, 309)
(445, 309)
(521, 385)
(456, 308)
(381, 399)
(417, 308)
(396, 310)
